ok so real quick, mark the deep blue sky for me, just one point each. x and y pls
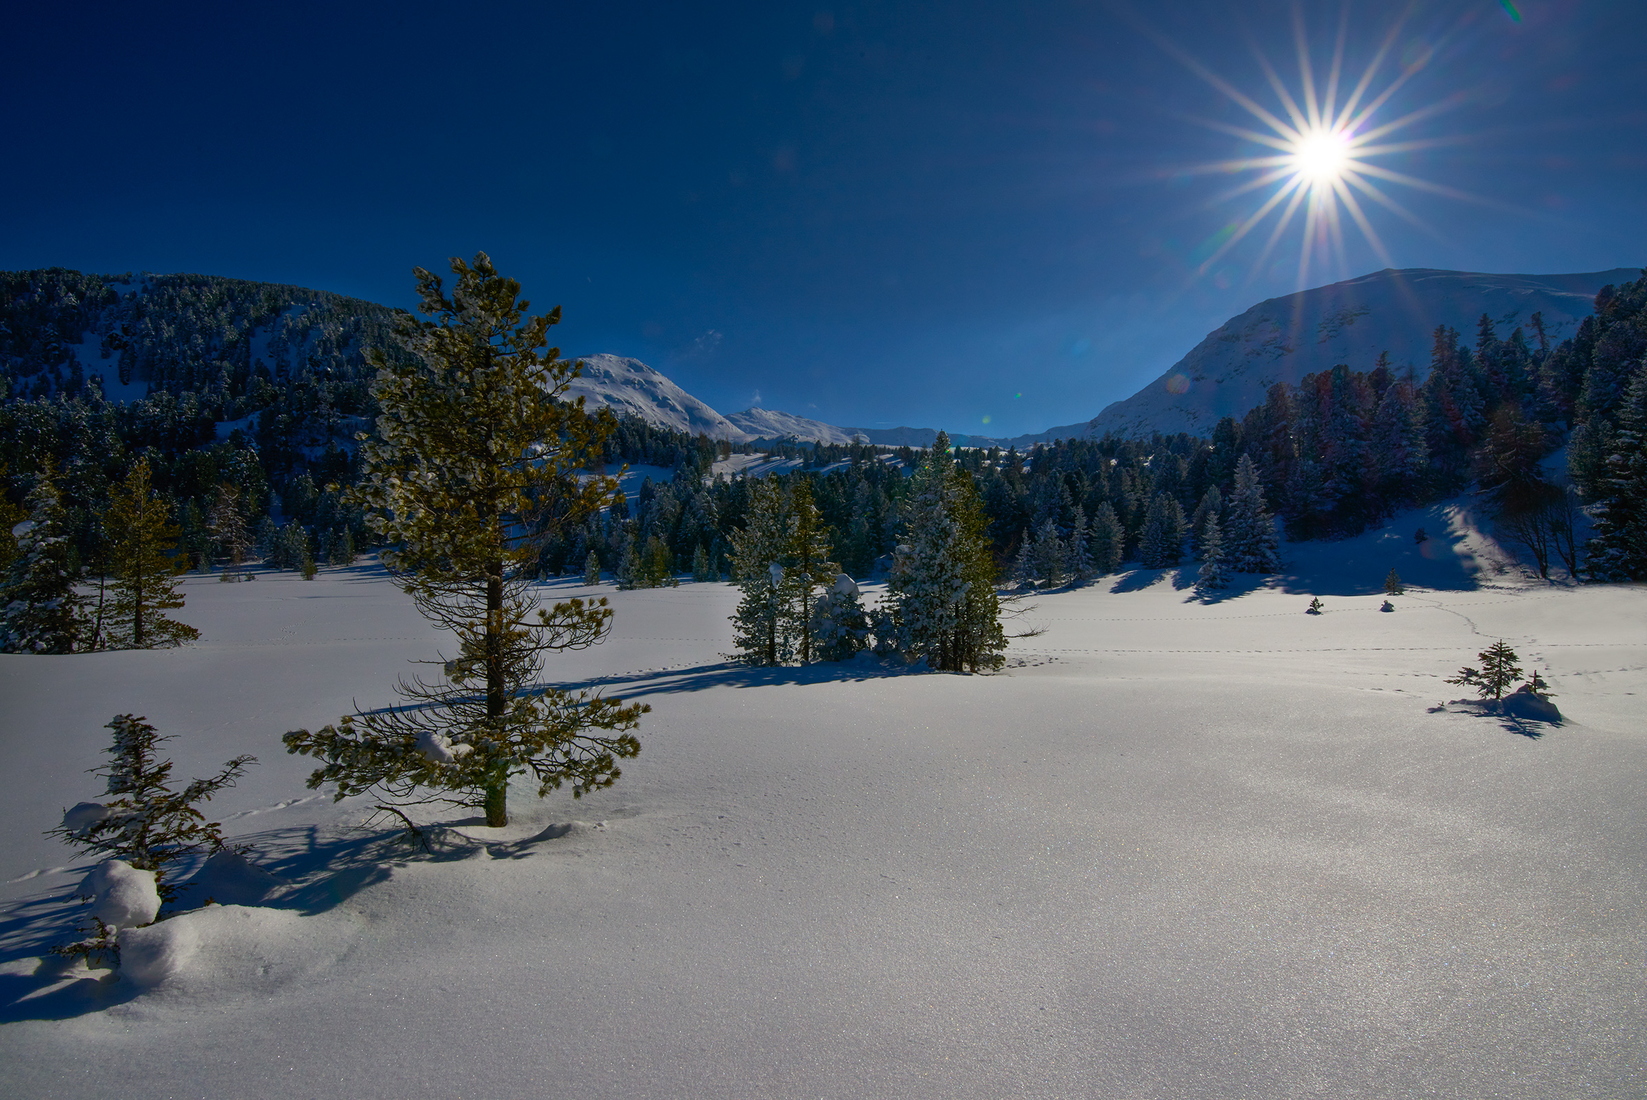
(873, 214)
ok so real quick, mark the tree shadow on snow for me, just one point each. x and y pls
(673, 681)
(1530, 722)
(308, 869)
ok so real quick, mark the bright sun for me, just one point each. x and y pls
(1321, 137)
(1321, 156)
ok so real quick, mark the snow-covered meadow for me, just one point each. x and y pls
(1174, 850)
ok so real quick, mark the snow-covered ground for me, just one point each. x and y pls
(1175, 850)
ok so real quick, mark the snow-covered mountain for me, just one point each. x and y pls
(628, 386)
(761, 423)
(1283, 339)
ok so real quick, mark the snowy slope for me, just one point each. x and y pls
(1176, 850)
(630, 387)
(1283, 339)
(771, 424)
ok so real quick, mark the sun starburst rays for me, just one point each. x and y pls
(1319, 140)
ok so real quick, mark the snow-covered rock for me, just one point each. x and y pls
(630, 387)
(122, 895)
(1283, 339)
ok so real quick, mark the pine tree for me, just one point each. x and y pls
(1108, 539)
(142, 545)
(762, 629)
(1078, 550)
(1497, 672)
(147, 824)
(475, 467)
(1619, 550)
(840, 626)
(807, 568)
(1213, 575)
(1392, 584)
(701, 569)
(942, 606)
(1248, 528)
(1046, 555)
(1162, 542)
(40, 611)
(591, 569)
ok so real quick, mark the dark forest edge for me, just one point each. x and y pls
(255, 392)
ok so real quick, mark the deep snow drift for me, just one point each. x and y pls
(1175, 850)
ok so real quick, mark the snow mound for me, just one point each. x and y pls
(229, 878)
(225, 949)
(123, 896)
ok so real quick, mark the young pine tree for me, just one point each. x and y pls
(40, 611)
(146, 823)
(1393, 585)
(476, 465)
(1497, 672)
(1213, 575)
(142, 559)
(942, 603)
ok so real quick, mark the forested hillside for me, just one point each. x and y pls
(261, 388)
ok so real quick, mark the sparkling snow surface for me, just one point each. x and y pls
(1175, 850)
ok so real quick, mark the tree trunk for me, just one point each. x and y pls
(497, 698)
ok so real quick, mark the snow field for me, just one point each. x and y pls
(1176, 850)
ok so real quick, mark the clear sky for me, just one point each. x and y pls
(872, 214)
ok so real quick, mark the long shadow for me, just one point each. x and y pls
(675, 681)
(305, 869)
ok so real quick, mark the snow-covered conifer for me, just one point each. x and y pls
(1078, 550)
(840, 626)
(40, 611)
(1619, 550)
(476, 446)
(1213, 575)
(1248, 527)
(1393, 585)
(143, 821)
(1047, 554)
(941, 599)
(1162, 542)
(227, 524)
(762, 629)
(1108, 539)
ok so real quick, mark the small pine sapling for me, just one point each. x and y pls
(1537, 685)
(144, 828)
(1386, 606)
(1497, 672)
(1393, 585)
(147, 824)
(1315, 606)
(591, 569)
